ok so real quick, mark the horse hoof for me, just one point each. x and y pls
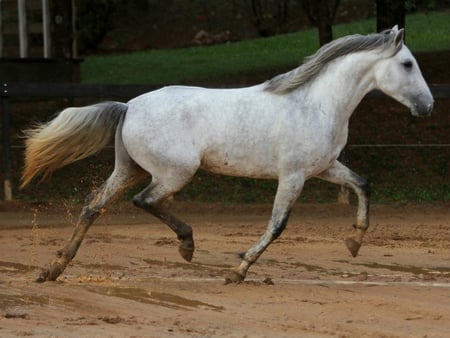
(186, 249)
(50, 274)
(55, 269)
(43, 276)
(234, 277)
(353, 246)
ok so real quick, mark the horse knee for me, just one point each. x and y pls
(142, 202)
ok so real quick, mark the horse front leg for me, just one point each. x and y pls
(289, 188)
(340, 174)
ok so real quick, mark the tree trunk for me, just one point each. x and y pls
(62, 32)
(390, 13)
(321, 13)
(270, 16)
(324, 23)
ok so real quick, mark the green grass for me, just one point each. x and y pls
(191, 64)
(425, 31)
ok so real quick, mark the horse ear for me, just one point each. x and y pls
(399, 37)
(395, 29)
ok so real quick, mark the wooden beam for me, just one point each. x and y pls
(128, 91)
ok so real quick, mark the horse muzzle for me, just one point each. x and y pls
(422, 108)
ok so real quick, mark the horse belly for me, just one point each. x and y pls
(253, 165)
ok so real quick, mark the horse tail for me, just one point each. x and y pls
(74, 134)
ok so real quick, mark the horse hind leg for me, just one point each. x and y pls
(126, 174)
(151, 200)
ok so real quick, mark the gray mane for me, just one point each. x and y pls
(285, 83)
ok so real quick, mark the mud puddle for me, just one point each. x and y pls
(164, 299)
(411, 269)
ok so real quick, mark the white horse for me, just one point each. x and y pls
(290, 128)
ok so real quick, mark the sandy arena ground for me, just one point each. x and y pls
(129, 281)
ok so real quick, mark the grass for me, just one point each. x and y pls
(425, 31)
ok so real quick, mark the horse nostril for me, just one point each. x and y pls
(422, 108)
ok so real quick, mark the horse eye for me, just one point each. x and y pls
(407, 64)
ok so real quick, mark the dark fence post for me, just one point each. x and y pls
(6, 142)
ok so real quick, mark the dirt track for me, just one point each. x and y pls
(128, 280)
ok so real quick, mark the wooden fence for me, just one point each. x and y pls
(13, 90)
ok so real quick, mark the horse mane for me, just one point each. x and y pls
(285, 83)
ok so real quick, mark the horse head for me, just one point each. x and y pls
(398, 75)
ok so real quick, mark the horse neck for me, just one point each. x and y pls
(341, 86)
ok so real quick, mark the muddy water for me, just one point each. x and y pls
(15, 268)
(13, 300)
(414, 270)
(152, 297)
(215, 269)
(373, 269)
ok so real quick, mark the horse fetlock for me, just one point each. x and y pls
(89, 213)
(186, 249)
(66, 253)
(361, 225)
(353, 246)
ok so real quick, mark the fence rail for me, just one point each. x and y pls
(110, 91)
(77, 90)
